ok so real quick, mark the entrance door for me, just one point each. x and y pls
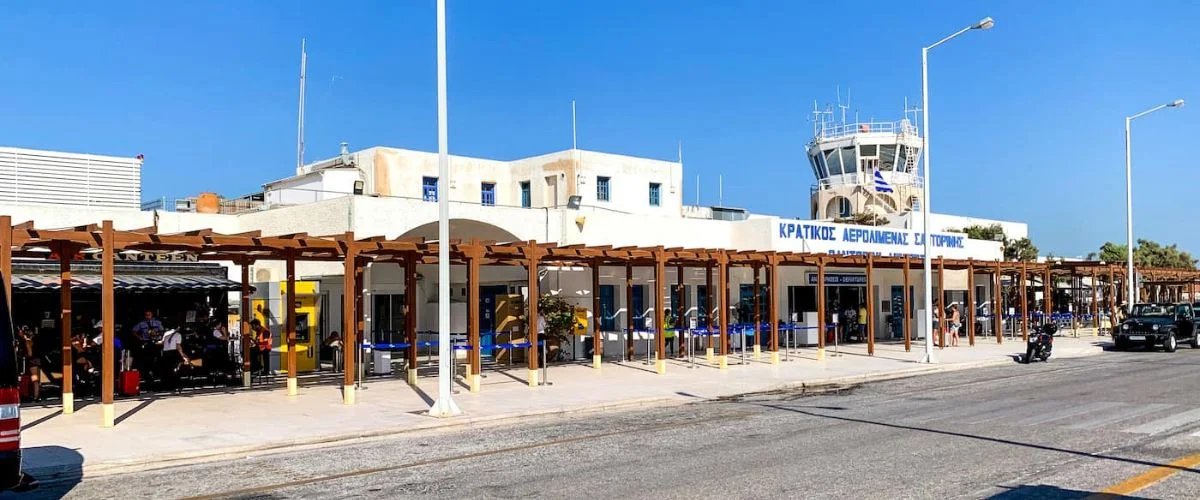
(488, 315)
(608, 306)
(638, 309)
(702, 306)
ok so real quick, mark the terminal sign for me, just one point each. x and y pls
(839, 279)
(869, 235)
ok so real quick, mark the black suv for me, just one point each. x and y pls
(1150, 325)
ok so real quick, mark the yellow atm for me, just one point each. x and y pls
(271, 312)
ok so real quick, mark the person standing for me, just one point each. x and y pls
(862, 321)
(145, 334)
(955, 320)
(260, 358)
(173, 359)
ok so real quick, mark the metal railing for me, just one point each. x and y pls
(831, 131)
(224, 206)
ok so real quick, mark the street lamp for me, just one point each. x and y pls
(983, 24)
(1130, 278)
(444, 406)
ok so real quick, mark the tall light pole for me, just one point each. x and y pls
(444, 406)
(985, 23)
(1130, 278)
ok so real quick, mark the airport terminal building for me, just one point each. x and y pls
(578, 197)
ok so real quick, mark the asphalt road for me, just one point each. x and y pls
(1063, 429)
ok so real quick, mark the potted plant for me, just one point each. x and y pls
(559, 316)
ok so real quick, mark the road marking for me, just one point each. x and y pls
(1068, 412)
(1008, 416)
(1126, 414)
(1166, 423)
(977, 410)
(1150, 477)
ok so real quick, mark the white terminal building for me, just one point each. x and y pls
(577, 197)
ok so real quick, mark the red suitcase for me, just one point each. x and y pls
(130, 380)
(26, 386)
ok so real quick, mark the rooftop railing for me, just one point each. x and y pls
(833, 131)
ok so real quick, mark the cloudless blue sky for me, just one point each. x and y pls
(1027, 118)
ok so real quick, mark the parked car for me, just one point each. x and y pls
(1151, 325)
(10, 403)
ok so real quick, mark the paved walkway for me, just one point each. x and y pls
(155, 432)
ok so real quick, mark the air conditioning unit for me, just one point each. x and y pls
(262, 275)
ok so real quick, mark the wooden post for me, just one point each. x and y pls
(410, 317)
(941, 306)
(773, 306)
(660, 312)
(723, 312)
(757, 314)
(870, 333)
(681, 318)
(349, 332)
(1048, 292)
(531, 263)
(66, 252)
(629, 312)
(246, 314)
(821, 309)
(969, 313)
(709, 300)
(474, 363)
(107, 311)
(1024, 303)
(1096, 305)
(998, 308)
(597, 335)
(290, 322)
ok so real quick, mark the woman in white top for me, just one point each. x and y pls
(173, 357)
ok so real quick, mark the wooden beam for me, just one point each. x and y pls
(870, 333)
(290, 325)
(773, 307)
(821, 309)
(64, 322)
(245, 316)
(629, 312)
(350, 339)
(660, 312)
(969, 314)
(410, 317)
(597, 334)
(1024, 299)
(107, 313)
(532, 254)
(940, 302)
(907, 317)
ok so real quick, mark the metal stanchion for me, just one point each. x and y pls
(691, 348)
(742, 341)
(649, 361)
(545, 368)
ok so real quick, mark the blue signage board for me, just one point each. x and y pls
(817, 231)
(839, 279)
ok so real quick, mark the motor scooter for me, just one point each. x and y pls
(1040, 343)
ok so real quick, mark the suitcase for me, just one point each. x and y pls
(26, 386)
(129, 381)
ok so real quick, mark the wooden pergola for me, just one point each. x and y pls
(24, 240)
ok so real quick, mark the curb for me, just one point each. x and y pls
(53, 473)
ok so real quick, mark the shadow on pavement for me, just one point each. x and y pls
(1046, 492)
(56, 469)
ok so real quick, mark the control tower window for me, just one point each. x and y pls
(834, 160)
(849, 160)
(868, 149)
(887, 156)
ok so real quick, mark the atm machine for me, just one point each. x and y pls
(268, 306)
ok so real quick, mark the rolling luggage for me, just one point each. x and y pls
(130, 380)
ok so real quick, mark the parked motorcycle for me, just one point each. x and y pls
(1040, 343)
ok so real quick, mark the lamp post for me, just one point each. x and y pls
(1130, 278)
(444, 406)
(984, 24)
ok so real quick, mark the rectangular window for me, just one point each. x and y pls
(526, 195)
(602, 189)
(487, 194)
(429, 188)
(655, 193)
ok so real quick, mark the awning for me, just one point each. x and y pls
(131, 283)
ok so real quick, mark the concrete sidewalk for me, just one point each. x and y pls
(160, 432)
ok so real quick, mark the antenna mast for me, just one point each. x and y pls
(300, 115)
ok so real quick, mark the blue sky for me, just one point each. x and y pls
(1027, 118)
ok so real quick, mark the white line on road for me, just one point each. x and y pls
(1127, 413)
(1166, 423)
(1067, 412)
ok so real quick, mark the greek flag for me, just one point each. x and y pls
(881, 185)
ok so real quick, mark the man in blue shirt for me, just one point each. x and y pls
(147, 328)
(146, 332)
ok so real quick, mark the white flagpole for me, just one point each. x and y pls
(444, 406)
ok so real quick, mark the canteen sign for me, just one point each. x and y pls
(851, 240)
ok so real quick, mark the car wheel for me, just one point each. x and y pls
(1196, 341)
(1170, 344)
(1119, 344)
